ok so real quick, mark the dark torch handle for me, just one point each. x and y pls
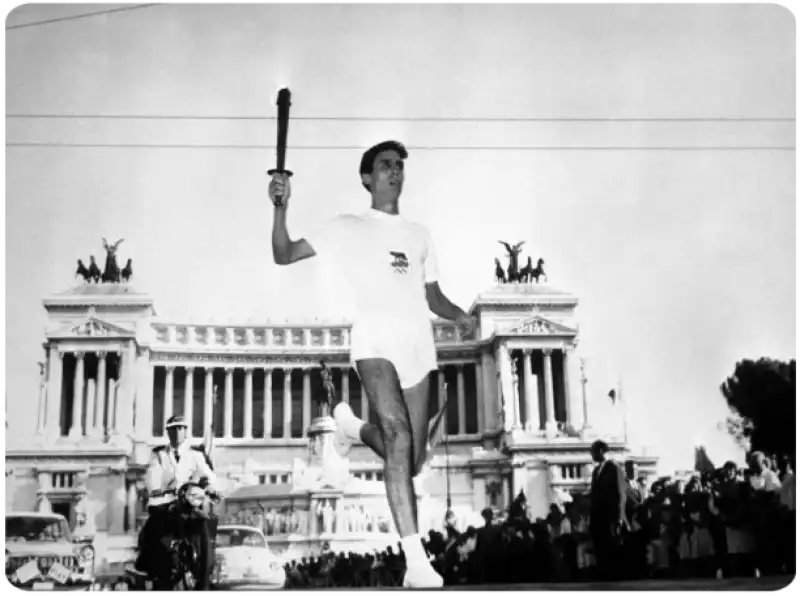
(284, 101)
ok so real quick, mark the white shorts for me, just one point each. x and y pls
(408, 344)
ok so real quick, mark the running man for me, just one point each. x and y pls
(389, 265)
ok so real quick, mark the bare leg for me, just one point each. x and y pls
(373, 438)
(382, 386)
(416, 399)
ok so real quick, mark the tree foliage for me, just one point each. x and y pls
(761, 395)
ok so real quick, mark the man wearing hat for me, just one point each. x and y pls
(389, 265)
(171, 466)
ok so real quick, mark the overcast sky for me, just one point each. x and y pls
(676, 233)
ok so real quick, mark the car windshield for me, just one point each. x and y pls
(240, 537)
(32, 529)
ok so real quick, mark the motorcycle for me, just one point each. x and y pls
(187, 552)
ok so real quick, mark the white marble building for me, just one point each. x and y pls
(515, 417)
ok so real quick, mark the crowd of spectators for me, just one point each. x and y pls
(719, 523)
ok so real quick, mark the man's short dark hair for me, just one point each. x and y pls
(368, 159)
(600, 446)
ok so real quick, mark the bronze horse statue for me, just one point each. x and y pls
(112, 272)
(499, 274)
(529, 272)
(513, 259)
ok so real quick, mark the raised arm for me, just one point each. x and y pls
(285, 251)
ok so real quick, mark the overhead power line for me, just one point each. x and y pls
(415, 148)
(85, 15)
(385, 118)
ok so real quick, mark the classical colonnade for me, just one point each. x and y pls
(532, 387)
(94, 398)
(270, 392)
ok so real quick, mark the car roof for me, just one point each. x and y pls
(38, 514)
(240, 527)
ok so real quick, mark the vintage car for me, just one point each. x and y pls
(244, 561)
(41, 553)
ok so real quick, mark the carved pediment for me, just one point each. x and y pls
(92, 326)
(539, 325)
(95, 327)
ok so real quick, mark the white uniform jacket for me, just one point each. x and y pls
(170, 468)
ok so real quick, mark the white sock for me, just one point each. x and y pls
(347, 421)
(415, 553)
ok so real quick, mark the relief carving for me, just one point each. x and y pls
(297, 337)
(91, 329)
(162, 334)
(536, 326)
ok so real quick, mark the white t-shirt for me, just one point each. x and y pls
(385, 261)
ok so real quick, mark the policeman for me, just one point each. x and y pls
(171, 466)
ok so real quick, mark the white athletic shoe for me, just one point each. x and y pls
(342, 440)
(422, 577)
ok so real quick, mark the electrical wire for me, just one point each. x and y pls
(410, 147)
(53, 116)
(80, 16)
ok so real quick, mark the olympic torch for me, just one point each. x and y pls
(284, 102)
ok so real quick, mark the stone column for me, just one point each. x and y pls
(248, 403)
(267, 403)
(306, 401)
(462, 401)
(144, 422)
(90, 421)
(531, 393)
(478, 493)
(441, 395)
(125, 390)
(188, 399)
(287, 402)
(228, 409)
(100, 399)
(364, 405)
(490, 398)
(208, 399)
(586, 425)
(168, 395)
(112, 406)
(132, 500)
(516, 414)
(550, 423)
(55, 375)
(479, 397)
(345, 385)
(506, 385)
(567, 396)
(76, 429)
(41, 420)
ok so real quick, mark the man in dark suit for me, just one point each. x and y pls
(607, 520)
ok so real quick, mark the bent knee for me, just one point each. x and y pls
(397, 430)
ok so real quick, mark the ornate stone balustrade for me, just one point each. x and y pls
(271, 338)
